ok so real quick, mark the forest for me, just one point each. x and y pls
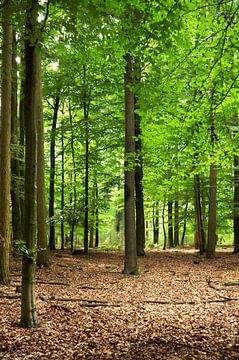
(119, 156)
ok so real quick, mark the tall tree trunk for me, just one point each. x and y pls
(212, 214)
(52, 241)
(198, 212)
(139, 196)
(92, 218)
(28, 303)
(5, 159)
(170, 224)
(86, 102)
(176, 223)
(164, 228)
(184, 223)
(212, 223)
(42, 255)
(22, 140)
(155, 223)
(236, 204)
(73, 220)
(62, 187)
(130, 263)
(96, 215)
(15, 170)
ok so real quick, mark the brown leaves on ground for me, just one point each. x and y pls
(181, 306)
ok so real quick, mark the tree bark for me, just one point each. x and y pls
(139, 196)
(155, 223)
(73, 218)
(176, 223)
(170, 224)
(86, 121)
(42, 254)
(5, 158)
(184, 223)
(130, 261)
(198, 212)
(96, 215)
(164, 228)
(15, 170)
(52, 242)
(62, 187)
(212, 215)
(236, 204)
(28, 303)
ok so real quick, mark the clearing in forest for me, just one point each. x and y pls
(181, 306)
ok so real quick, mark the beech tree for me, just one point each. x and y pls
(28, 303)
(5, 158)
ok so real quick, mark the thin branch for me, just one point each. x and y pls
(46, 15)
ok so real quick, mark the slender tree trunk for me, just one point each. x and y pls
(198, 212)
(170, 224)
(147, 229)
(236, 204)
(212, 214)
(22, 141)
(130, 264)
(86, 121)
(42, 255)
(176, 223)
(62, 187)
(96, 216)
(5, 159)
(28, 303)
(139, 196)
(15, 170)
(155, 223)
(164, 228)
(74, 199)
(92, 219)
(52, 240)
(184, 223)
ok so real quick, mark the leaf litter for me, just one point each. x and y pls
(181, 306)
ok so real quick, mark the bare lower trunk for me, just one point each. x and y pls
(28, 303)
(5, 159)
(212, 223)
(170, 225)
(130, 264)
(198, 212)
(42, 254)
(236, 204)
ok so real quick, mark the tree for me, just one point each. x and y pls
(130, 265)
(5, 159)
(42, 254)
(28, 302)
(52, 244)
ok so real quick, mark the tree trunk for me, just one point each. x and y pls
(92, 219)
(42, 255)
(62, 187)
(164, 228)
(86, 121)
(184, 223)
(176, 223)
(15, 170)
(52, 242)
(170, 224)
(198, 212)
(5, 159)
(212, 223)
(130, 263)
(236, 204)
(139, 201)
(155, 223)
(73, 219)
(96, 216)
(28, 303)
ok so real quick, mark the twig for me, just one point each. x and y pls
(55, 306)
(7, 296)
(52, 283)
(210, 301)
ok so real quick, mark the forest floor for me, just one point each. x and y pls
(181, 306)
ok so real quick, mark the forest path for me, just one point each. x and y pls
(181, 306)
